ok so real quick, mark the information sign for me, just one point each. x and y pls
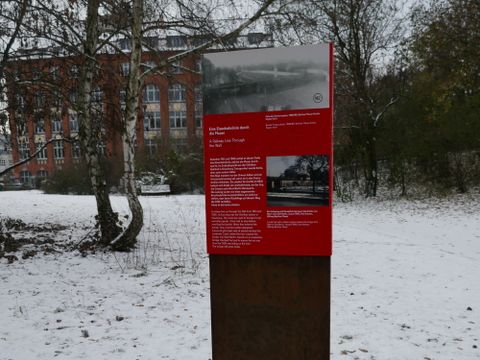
(268, 151)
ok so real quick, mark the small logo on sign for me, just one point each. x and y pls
(318, 98)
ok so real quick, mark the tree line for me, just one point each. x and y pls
(407, 80)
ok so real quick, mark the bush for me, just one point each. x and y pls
(183, 168)
(72, 179)
(184, 171)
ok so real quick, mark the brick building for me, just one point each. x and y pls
(42, 94)
(5, 154)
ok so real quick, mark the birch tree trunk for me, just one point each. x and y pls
(128, 239)
(88, 130)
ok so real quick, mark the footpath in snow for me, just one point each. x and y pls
(404, 283)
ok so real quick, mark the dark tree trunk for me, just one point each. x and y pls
(128, 239)
(371, 166)
(403, 180)
(459, 173)
(107, 218)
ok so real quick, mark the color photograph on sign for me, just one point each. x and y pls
(268, 151)
(297, 180)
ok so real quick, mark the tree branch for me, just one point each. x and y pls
(38, 151)
(209, 43)
(379, 116)
(18, 24)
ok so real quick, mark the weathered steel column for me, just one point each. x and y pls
(270, 307)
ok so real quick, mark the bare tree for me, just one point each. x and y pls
(80, 31)
(316, 166)
(189, 18)
(70, 31)
(12, 16)
(364, 33)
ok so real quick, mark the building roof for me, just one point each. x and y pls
(169, 42)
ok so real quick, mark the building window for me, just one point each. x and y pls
(55, 72)
(151, 42)
(39, 126)
(20, 100)
(58, 152)
(76, 152)
(25, 177)
(198, 118)
(123, 97)
(176, 67)
(151, 145)
(23, 150)
(198, 106)
(56, 125)
(176, 93)
(74, 71)
(42, 155)
(230, 42)
(40, 99)
(198, 66)
(199, 40)
(42, 174)
(97, 95)
(255, 38)
(124, 44)
(178, 119)
(152, 120)
(176, 41)
(125, 68)
(198, 93)
(72, 96)
(73, 122)
(21, 128)
(57, 99)
(151, 94)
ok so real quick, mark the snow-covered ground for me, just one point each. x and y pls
(405, 283)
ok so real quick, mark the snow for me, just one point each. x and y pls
(404, 275)
(404, 283)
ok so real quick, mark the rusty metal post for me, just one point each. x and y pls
(270, 307)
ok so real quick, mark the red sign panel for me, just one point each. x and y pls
(268, 151)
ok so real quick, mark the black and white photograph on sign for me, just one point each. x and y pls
(297, 180)
(271, 79)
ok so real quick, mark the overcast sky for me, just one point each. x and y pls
(276, 165)
(246, 58)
